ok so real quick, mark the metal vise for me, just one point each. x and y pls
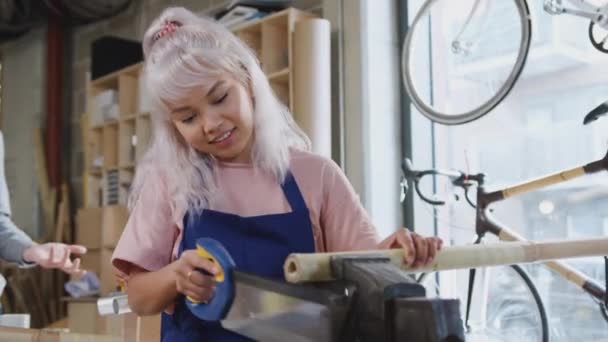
(389, 305)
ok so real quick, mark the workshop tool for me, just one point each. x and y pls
(267, 309)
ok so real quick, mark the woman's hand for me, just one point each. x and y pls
(417, 250)
(191, 282)
(56, 255)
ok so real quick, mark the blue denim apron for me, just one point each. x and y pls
(258, 245)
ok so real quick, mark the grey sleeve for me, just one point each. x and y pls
(5, 204)
(13, 241)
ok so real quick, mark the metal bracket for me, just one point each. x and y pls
(390, 305)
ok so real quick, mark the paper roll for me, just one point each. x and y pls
(300, 268)
(312, 81)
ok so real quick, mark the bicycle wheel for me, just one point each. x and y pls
(460, 59)
(505, 305)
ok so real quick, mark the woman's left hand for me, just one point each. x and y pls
(56, 255)
(417, 250)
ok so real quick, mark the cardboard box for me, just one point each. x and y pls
(57, 336)
(84, 319)
(100, 262)
(113, 223)
(83, 316)
(53, 335)
(8, 334)
(107, 280)
(89, 227)
(141, 329)
(91, 261)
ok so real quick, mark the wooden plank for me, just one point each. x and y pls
(47, 194)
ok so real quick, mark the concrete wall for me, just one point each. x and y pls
(23, 99)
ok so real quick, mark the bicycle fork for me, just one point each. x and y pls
(472, 275)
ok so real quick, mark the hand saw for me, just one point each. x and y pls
(266, 309)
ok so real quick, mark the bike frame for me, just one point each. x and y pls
(486, 223)
(597, 14)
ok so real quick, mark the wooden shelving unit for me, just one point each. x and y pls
(114, 145)
(271, 38)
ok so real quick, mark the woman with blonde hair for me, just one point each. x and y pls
(227, 162)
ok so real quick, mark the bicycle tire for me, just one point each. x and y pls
(523, 275)
(539, 302)
(484, 108)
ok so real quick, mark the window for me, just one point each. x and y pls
(536, 130)
(1, 78)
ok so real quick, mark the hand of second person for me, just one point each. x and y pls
(417, 250)
(191, 282)
(56, 255)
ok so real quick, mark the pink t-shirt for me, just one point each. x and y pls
(339, 222)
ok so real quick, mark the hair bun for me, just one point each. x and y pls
(166, 23)
(167, 28)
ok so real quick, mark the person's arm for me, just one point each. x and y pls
(143, 256)
(5, 204)
(13, 242)
(344, 221)
(347, 225)
(17, 247)
(150, 293)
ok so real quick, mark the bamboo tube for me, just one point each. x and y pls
(564, 270)
(544, 181)
(300, 268)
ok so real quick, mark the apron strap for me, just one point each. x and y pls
(292, 193)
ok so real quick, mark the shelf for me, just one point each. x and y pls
(110, 148)
(93, 195)
(112, 79)
(279, 76)
(128, 93)
(130, 117)
(281, 90)
(95, 172)
(125, 179)
(129, 166)
(252, 36)
(127, 141)
(97, 127)
(275, 44)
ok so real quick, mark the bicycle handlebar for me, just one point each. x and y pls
(457, 178)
